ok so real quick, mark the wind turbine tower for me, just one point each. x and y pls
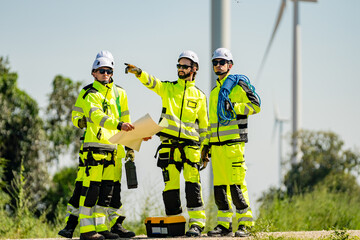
(296, 72)
(279, 122)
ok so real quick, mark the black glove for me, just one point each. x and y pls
(204, 156)
(229, 105)
(133, 69)
(82, 123)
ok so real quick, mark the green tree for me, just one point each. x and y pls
(22, 136)
(61, 132)
(324, 160)
(60, 190)
(62, 137)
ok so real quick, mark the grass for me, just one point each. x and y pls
(317, 210)
(314, 211)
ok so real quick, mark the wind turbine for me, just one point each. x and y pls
(279, 122)
(296, 72)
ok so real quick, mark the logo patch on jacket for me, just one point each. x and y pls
(191, 104)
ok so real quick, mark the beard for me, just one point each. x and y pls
(183, 76)
(221, 73)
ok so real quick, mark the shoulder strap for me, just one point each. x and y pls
(117, 99)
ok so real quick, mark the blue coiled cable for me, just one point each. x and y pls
(224, 116)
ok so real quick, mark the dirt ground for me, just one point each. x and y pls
(352, 234)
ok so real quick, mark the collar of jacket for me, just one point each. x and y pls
(102, 88)
(188, 83)
(219, 83)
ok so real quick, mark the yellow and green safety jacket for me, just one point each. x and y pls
(99, 105)
(244, 102)
(184, 107)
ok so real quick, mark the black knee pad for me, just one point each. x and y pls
(116, 198)
(238, 197)
(221, 198)
(172, 202)
(106, 192)
(193, 195)
(91, 194)
(75, 198)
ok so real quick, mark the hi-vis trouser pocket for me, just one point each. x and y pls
(234, 154)
(191, 170)
(163, 163)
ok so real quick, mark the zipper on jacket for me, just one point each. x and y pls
(182, 105)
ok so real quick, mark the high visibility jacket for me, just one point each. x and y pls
(184, 107)
(98, 103)
(77, 111)
(245, 103)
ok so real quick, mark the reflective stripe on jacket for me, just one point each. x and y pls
(184, 107)
(245, 103)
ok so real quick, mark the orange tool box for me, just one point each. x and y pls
(165, 226)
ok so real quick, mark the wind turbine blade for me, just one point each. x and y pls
(276, 120)
(274, 130)
(281, 11)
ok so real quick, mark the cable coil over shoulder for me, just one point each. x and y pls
(225, 116)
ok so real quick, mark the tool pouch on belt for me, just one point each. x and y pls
(163, 160)
(95, 158)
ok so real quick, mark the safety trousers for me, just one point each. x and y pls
(97, 191)
(229, 171)
(171, 167)
(113, 211)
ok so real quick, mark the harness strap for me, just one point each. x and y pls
(90, 161)
(180, 146)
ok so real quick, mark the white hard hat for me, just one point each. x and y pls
(222, 53)
(105, 53)
(190, 55)
(103, 62)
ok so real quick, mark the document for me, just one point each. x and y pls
(144, 127)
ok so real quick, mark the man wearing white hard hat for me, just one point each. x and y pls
(184, 108)
(231, 102)
(79, 120)
(104, 118)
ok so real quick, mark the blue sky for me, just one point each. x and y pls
(44, 38)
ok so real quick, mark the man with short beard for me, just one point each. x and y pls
(228, 135)
(185, 109)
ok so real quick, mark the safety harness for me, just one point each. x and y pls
(175, 144)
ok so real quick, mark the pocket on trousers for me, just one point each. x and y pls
(163, 160)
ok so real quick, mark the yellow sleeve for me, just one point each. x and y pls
(152, 83)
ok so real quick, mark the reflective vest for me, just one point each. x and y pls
(98, 103)
(184, 107)
(245, 103)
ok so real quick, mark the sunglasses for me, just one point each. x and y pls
(103, 71)
(222, 62)
(179, 66)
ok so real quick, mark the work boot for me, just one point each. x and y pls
(68, 233)
(109, 235)
(194, 231)
(242, 231)
(220, 231)
(120, 230)
(70, 227)
(91, 236)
